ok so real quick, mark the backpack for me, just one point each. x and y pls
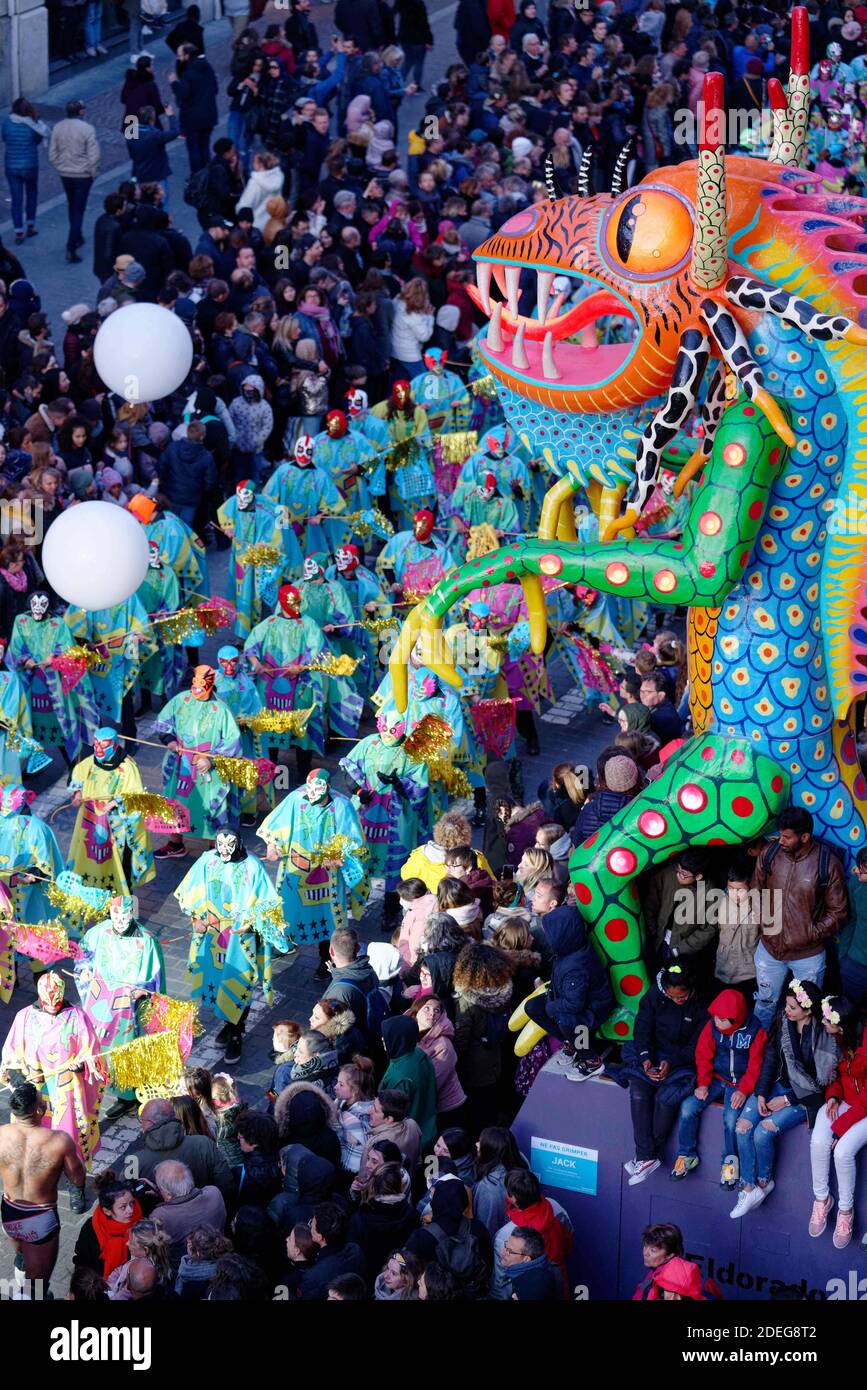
(375, 1009)
(825, 852)
(196, 188)
(461, 1255)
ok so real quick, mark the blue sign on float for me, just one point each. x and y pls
(564, 1165)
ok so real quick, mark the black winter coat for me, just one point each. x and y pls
(413, 22)
(360, 20)
(107, 232)
(579, 992)
(195, 93)
(665, 1031)
(381, 1227)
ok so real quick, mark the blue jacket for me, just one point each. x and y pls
(150, 162)
(600, 808)
(22, 139)
(537, 1281)
(195, 93)
(579, 992)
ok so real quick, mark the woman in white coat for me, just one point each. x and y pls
(265, 182)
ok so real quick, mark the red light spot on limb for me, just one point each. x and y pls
(617, 929)
(710, 523)
(776, 784)
(749, 410)
(742, 806)
(734, 455)
(677, 547)
(631, 985)
(755, 510)
(706, 569)
(717, 840)
(744, 560)
(707, 754)
(664, 581)
(621, 861)
(582, 893)
(692, 798)
(738, 756)
(652, 824)
(774, 456)
(622, 1030)
(616, 572)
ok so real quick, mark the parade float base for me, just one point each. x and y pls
(577, 1137)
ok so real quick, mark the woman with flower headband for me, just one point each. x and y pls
(799, 1062)
(841, 1124)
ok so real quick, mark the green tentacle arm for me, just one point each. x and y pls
(699, 570)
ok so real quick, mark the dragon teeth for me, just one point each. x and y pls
(544, 281)
(495, 337)
(483, 280)
(519, 356)
(549, 367)
(513, 275)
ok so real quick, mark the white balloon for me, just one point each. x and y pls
(95, 555)
(143, 352)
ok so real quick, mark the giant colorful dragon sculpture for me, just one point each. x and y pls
(736, 262)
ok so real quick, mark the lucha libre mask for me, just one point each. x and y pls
(304, 450)
(488, 487)
(228, 659)
(39, 605)
(401, 393)
(290, 601)
(228, 844)
(312, 568)
(123, 911)
(318, 786)
(347, 558)
(51, 989)
(13, 798)
(336, 424)
(477, 616)
(824, 70)
(104, 743)
(497, 443)
(391, 727)
(154, 560)
(422, 524)
(835, 52)
(202, 686)
(356, 402)
(246, 494)
(434, 360)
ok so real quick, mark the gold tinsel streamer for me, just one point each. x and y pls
(151, 1059)
(457, 446)
(277, 721)
(173, 1014)
(483, 539)
(261, 554)
(329, 665)
(336, 848)
(484, 386)
(241, 772)
(399, 455)
(454, 779)
(80, 653)
(428, 738)
(187, 622)
(380, 625)
(358, 523)
(150, 804)
(72, 904)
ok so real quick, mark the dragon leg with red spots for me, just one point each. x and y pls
(713, 791)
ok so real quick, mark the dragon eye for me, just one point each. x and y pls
(522, 223)
(649, 232)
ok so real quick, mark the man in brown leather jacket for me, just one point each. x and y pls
(803, 904)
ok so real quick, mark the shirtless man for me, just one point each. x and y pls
(32, 1159)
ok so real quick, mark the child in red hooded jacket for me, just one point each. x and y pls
(841, 1124)
(678, 1279)
(728, 1058)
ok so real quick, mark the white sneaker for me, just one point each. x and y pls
(584, 1070)
(766, 1190)
(641, 1169)
(561, 1058)
(746, 1201)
